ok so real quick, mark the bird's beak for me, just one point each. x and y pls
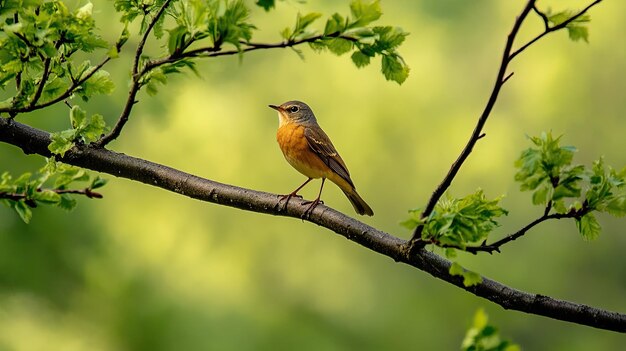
(277, 108)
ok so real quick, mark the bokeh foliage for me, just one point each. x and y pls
(147, 270)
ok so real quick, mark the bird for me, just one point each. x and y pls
(309, 150)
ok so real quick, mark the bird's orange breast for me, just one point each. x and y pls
(295, 148)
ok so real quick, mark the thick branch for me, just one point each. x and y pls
(35, 141)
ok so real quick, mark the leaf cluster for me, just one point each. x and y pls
(483, 336)
(576, 29)
(38, 40)
(84, 130)
(49, 186)
(570, 189)
(457, 222)
(353, 34)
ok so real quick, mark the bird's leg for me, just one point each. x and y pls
(313, 203)
(292, 194)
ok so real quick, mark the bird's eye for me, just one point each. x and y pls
(293, 109)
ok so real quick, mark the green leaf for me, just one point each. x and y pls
(60, 144)
(99, 83)
(541, 196)
(577, 29)
(364, 13)
(469, 278)
(98, 183)
(339, 46)
(23, 211)
(78, 117)
(485, 337)
(360, 59)
(53, 88)
(459, 222)
(176, 41)
(266, 4)
(302, 22)
(94, 128)
(67, 202)
(335, 24)
(394, 68)
(588, 226)
(47, 196)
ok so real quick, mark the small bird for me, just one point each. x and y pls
(309, 150)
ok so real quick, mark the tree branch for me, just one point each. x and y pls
(507, 57)
(200, 52)
(475, 136)
(549, 29)
(216, 51)
(22, 196)
(65, 95)
(135, 85)
(35, 141)
(42, 82)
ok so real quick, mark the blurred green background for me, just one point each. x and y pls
(145, 269)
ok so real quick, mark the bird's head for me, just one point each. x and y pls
(294, 112)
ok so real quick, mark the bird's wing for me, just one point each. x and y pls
(323, 147)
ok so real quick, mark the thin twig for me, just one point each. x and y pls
(249, 46)
(42, 82)
(146, 34)
(507, 57)
(61, 97)
(200, 52)
(22, 196)
(546, 21)
(135, 85)
(456, 166)
(553, 29)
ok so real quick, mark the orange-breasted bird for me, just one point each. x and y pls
(309, 150)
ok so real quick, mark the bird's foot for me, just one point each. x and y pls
(312, 204)
(287, 198)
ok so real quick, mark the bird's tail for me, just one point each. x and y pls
(360, 206)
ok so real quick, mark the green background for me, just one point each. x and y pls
(145, 269)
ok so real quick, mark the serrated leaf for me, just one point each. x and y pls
(67, 202)
(94, 128)
(25, 213)
(339, 46)
(302, 22)
(99, 83)
(588, 227)
(335, 24)
(456, 269)
(47, 196)
(540, 196)
(176, 41)
(394, 68)
(364, 13)
(59, 145)
(469, 278)
(360, 59)
(78, 117)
